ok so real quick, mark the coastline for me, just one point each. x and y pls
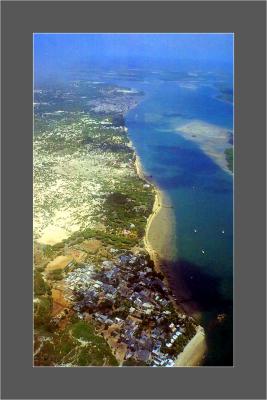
(195, 350)
(157, 240)
(157, 207)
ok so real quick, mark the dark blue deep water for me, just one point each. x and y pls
(201, 194)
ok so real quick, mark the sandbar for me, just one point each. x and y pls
(212, 139)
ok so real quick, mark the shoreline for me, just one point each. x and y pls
(195, 350)
(157, 206)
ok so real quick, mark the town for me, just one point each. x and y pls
(131, 308)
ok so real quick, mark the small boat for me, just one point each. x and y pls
(195, 230)
(222, 231)
(203, 251)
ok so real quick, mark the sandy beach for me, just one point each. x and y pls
(160, 230)
(194, 351)
(159, 226)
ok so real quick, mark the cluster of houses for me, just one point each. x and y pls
(131, 308)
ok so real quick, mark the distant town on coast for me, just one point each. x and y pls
(133, 148)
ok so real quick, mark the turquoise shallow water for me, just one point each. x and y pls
(202, 196)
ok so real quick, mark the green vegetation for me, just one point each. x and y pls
(43, 302)
(42, 312)
(48, 251)
(131, 204)
(229, 158)
(58, 246)
(97, 352)
(177, 346)
(64, 347)
(82, 330)
(110, 141)
(40, 286)
(109, 238)
(56, 275)
(57, 349)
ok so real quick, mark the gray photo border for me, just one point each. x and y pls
(247, 19)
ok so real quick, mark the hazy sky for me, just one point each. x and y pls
(61, 52)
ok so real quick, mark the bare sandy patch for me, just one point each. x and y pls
(139, 168)
(91, 246)
(77, 255)
(194, 351)
(52, 235)
(119, 349)
(59, 301)
(160, 230)
(59, 262)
